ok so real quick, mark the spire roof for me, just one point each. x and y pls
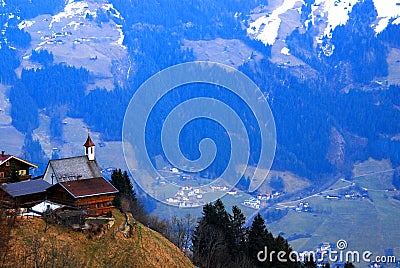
(89, 142)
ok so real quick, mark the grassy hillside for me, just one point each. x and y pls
(58, 246)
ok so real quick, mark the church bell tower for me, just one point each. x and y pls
(89, 147)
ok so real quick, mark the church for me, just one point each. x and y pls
(78, 182)
(73, 182)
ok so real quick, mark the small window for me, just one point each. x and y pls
(7, 163)
(22, 172)
(1, 174)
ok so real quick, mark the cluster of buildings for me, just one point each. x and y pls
(74, 185)
(349, 196)
(260, 200)
(55, 38)
(303, 207)
(252, 202)
(187, 196)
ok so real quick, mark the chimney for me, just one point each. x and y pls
(3, 153)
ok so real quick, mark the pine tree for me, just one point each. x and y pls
(122, 182)
(210, 248)
(348, 265)
(126, 199)
(257, 240)
(237, 227)
(222, 240)
(14, 175)
(309, 262)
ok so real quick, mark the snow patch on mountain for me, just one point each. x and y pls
(285, 51)
(335, 12)
(115, 12)
(25, 23)
(72, 10)
(266, 27)
(387, 10)
(331, 13)
(76, 12)
(78, 37)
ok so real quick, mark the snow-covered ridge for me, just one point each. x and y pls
(266, 27)
(332, 12)
(71, 10)
(75, 12)
(335, 12)
(387, 9)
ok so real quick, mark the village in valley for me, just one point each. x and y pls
(194, 190)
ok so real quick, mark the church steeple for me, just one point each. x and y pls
(89, 147)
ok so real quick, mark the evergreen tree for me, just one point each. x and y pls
(34, 153)
(222, 240)
(238, 230)
(281, 245)
(210, 248)
(309, 262)
(256, 238)
(14, 175)
(126, 199)
(348, 265)
(122, 182)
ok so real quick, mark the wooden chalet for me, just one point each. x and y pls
(94, 195)
(9, 163)
(77, 182)
(24, 194)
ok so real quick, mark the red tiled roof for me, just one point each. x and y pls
(89, 142)
(4, 157)
(88, 187)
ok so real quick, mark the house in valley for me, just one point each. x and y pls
(10, 164)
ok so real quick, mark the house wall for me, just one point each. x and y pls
(57, 194)
(47, 175)
(25, 201)
(93, 205)
(21, 167)
(96, 205)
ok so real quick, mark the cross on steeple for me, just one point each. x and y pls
(89, 147)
